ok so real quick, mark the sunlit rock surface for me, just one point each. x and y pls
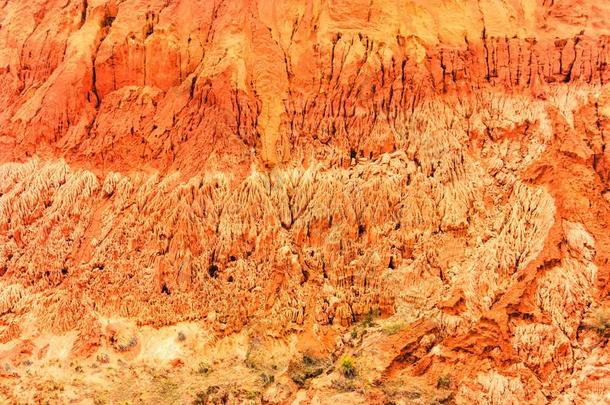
(302, 202)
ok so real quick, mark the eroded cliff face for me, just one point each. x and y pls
(230, 201)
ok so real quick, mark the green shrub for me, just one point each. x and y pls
(347, 367)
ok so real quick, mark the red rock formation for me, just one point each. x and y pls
(287, 169)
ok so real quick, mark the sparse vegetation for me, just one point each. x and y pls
(201, 398)
(167, 388)
(267, 379)
(252, 395)
(599, 321)
(343, 385)
(203, 368)
(369, 318)
(443, 382)
(225, 394)
(412, 395)
(99, 400)
(250, 363)
(124, 341)
(393, 328)
(305, 369)
(347, 367)
(55, 386)
(103, 358)
(108, 21)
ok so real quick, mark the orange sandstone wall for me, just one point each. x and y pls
(294, 165)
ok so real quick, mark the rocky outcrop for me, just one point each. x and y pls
(292, 170)
(212, 76)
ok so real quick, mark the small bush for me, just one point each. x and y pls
(108, 21)
(599, 321)
(103, 358)
(443, 382)
(124, 345)
(201, 398)
(252, 395)
(203, 368)
(369, 318)
(347, 367)
(305, 369)
(267, 379)
(250, 364)
(308, 360)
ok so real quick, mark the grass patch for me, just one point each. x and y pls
(393, 328)
(165, 388)
(99, 400)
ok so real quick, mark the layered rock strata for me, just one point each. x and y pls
(285, 171)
